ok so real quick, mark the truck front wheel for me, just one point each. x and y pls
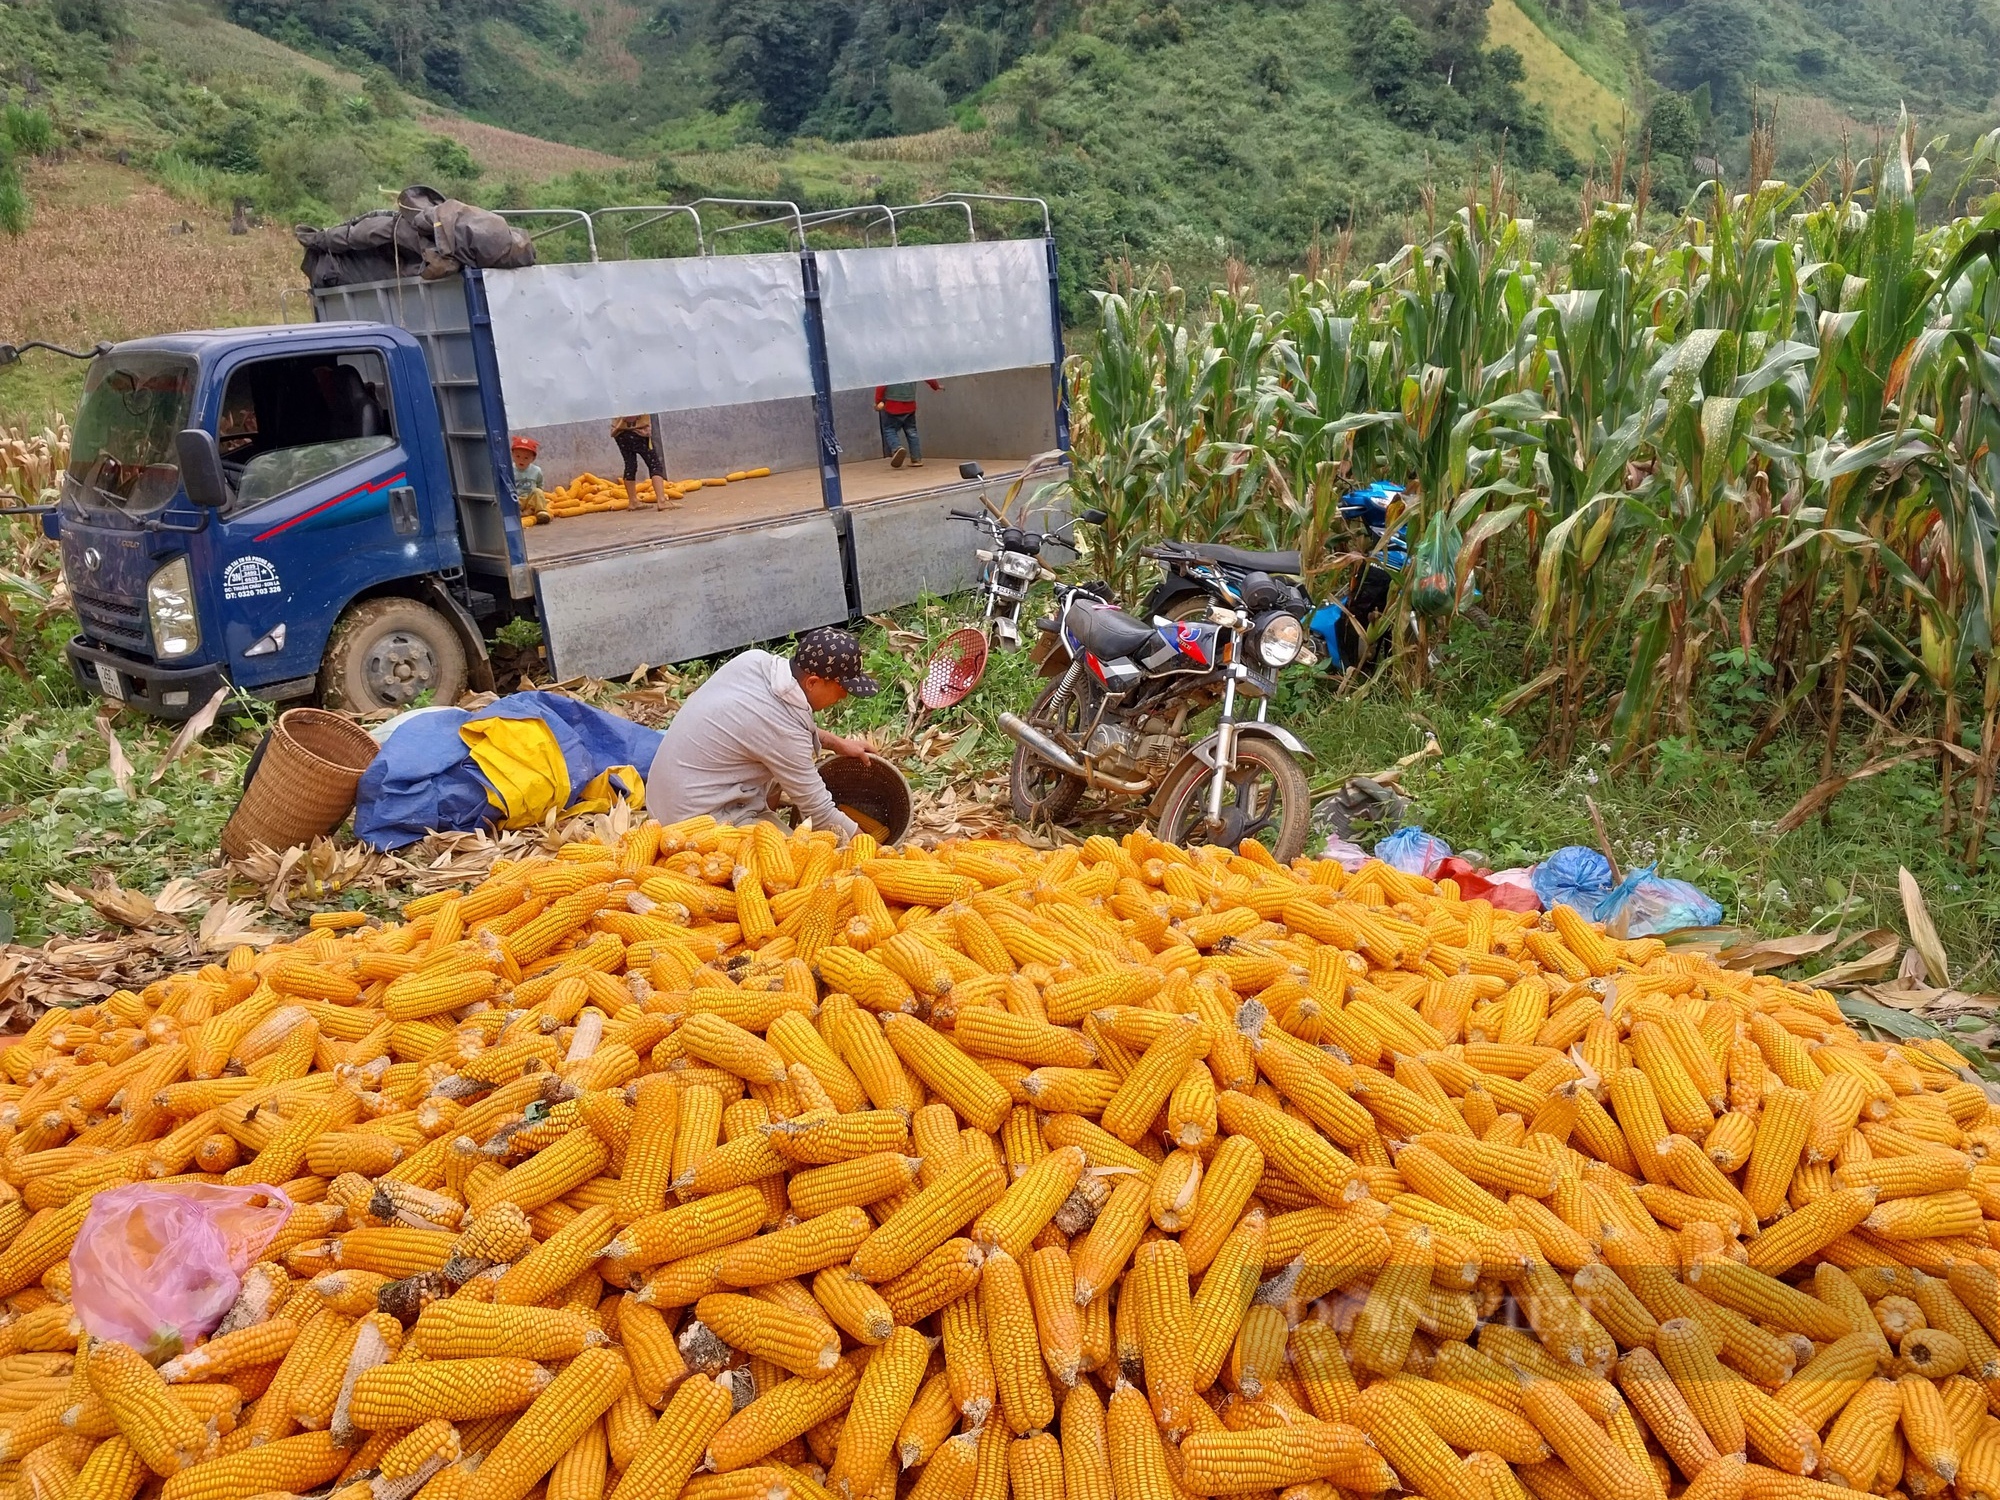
(386, 653)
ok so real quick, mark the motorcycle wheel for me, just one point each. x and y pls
(1267, 799)
(1039, 792)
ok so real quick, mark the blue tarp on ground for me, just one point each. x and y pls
(425, 779)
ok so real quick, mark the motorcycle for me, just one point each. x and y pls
(1197, 576)
(1117, 715)
(1344, 626)
(1011, 562)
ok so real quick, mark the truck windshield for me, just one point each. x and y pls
(122, 452)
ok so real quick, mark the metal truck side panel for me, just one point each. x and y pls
(921, 312)
(596, 340)
(608, 612)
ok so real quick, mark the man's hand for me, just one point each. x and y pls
(857, 748)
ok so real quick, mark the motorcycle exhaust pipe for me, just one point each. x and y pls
(1017, 728)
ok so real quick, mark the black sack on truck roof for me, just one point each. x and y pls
(426, 234)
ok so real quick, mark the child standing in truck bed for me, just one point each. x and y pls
(897, 405)
(634, 437)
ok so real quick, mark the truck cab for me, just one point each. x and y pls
(324, 560)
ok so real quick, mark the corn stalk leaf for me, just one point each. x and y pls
(1923, 935)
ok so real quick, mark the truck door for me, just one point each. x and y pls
(324, 504)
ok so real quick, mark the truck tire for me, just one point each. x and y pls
(386, 653)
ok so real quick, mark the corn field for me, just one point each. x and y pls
(1759, 437)
(30, 463)
(29, 466)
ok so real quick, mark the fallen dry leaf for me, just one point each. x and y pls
(1912, 973)
(1776, 953)
(229, 924)
(116, 904)
(1873, 965)
(177, 897)
(121, 764)
(189, 732)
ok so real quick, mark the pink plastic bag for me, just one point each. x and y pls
(156, 1265)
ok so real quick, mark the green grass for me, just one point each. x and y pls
(1696, 812)
(1588, 113)
(1601, 44)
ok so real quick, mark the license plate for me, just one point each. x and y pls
(107, 678)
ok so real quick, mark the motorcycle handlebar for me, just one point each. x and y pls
(963, 515)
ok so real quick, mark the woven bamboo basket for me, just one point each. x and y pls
(302, 784)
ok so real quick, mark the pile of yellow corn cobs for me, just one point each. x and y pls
(739, 1166)
(588, 493)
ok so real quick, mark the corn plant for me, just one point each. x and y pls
(1768, 424)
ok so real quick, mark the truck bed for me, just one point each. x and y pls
(757, 561)
(755, 502)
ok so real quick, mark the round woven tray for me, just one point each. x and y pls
(872, 788)
(303, 785)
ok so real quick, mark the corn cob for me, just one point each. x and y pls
(882, 1399)
(165, 1435)
(1024, 1398)
(927, 1221)
(401, 1395)
(560, 1416)
(776, 1417)
(1666, 1412)
(287, 1465)
(1418, 1455)
(805, 1346)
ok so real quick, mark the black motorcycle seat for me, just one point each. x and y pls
(1108, 633)
(1236, 557)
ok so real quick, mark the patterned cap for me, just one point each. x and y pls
(836, 656)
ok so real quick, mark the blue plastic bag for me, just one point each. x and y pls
(1646, 904)
(1413, 851)
(1574, 876)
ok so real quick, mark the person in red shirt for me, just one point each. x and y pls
(897, 406)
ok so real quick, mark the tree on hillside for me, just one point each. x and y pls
(775, 54)
(1715, 42)
(1428, 65)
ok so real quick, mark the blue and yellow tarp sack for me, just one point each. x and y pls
(509, 765)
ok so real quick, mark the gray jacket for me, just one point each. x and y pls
(743, 732)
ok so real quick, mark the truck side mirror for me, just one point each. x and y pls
(971, 471)
(201, 468)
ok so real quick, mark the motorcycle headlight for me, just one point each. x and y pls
(170, 606)
(1279, 640)
(1019, 565)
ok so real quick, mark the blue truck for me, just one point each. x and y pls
(326, 510)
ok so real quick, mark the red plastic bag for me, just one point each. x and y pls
(1483, 885)
(157, 1264)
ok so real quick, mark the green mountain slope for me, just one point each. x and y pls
(1189, 131)
(1161, 127)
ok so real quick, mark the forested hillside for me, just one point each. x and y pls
(1189, 130)
(1156, 123)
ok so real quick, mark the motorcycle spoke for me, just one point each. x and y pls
(1250, 810)
(1248, 783)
